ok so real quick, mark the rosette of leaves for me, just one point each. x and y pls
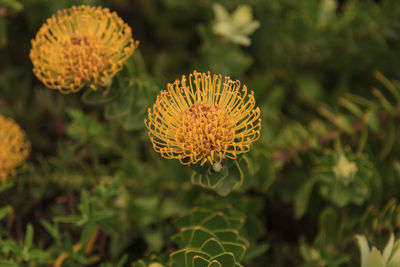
(209, 238)
(375, 258)
(343, 177)
(222, 177)
(253, 228)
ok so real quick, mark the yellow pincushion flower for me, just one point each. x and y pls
(81, 46)
(14, 148)
(206, 119)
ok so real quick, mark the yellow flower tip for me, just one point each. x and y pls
(14, 148)
(203, 119)
(79, 46)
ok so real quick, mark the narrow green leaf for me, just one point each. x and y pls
(6, 186)
(102, 215)
(53, 230)
(4, 211)
(70, 219)
(302, 197)
(123, 260)
(86, 233)
(28, 237)
(13, 4)
(85, 206)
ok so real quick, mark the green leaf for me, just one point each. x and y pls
(213, 177)
(102, 215)
(85, 206)
(237, 249)
(99, 97)
(4, 211)
(255, 250)
(70, 219)
(225, 259)
(212, 247)
(121, 105)
(192, 254)
(372, 119)
(6, 186)
(226, 186)
(199, 236)
(170, 208)
(53, 230)
(178, 257)
(13, 4)
(216, 221)
(86, 233)
(302, 197)
(227, 235)
(28, 237)
(199, 261)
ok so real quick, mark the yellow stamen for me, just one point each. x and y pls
(207, 119)
(14, 148)
(81, 46)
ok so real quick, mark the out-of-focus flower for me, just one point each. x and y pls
(344, 177)
(14, 148)
(81, 46)
(236, 27)
(206, 118)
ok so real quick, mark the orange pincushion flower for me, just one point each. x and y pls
(14, 148)
(81, 46)
(207, 119)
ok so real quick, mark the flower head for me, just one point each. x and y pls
(14, 148)
(81, 46)
(204, 119)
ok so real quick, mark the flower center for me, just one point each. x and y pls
(85, 58)
(205, 129)
(345, 170)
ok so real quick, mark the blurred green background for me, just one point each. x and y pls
(92, 165)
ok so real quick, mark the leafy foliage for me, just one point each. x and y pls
(323, 178)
